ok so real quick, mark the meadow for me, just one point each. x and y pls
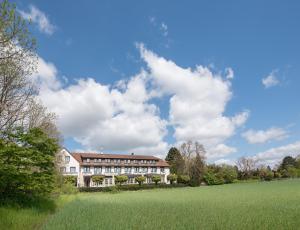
(259, 205)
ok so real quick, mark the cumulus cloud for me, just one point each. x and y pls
(229, 73)
(198, 99)
(270, 81)
(224, 161)
(263, 136)
(123, 117)
(40, 18)
(273, 156)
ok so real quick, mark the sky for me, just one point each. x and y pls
(142, 76)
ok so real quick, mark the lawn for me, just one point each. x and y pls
(260, 205)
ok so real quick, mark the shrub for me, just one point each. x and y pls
(97, 179)
(70, 180)
(172, 178)
(213, 179)
(140, 179)
(228, 173)
(183, 179)
(156, 179)
(68, 188)
(266, 174)
(121, 179)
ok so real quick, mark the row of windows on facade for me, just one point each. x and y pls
(126, 169)
(98, 170)
(109, 181)
(118, 161)
(126, 161)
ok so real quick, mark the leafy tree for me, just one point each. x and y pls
(140, 179)
(156, 179)
(197, 170)
(97, 179)
(18, 60)
(266, 174)
(27, 163)
(121, 179)
(287, 162)
(172, 178)
(183, 179)
(228, 173)
(211, 178)
(175, 160)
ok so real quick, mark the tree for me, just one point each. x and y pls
(121, 179)
(97, 179)
(172, 178)
(175, 161)
(70, 180)
(17, 62)
(246, 167)
(27, 163)
(140, 179)
(288, 162)
(197, 170)
(156, 179)
(266, 174)
(183, 179)
(228, 173)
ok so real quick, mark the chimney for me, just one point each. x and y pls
(132, 154)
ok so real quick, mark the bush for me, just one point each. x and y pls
(70, 180)
(156, 179)
(68, 188)
(129, 187)
(266, 174)
(183, 179)
(140, 179)
(172, 178)
(121, 179)
(213, 179)
(228, 173)
(97, 179)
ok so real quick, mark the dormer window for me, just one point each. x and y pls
(88, 160)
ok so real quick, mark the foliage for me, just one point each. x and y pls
(156, 179)
(266, 174)
(228, 173)
(18, 60)
(27, 163)
(172, 178)
(197, 170)
(70, 180)
(140, 179)
(287, 162)
(97, 179)
(175, 161)
(129, 187)
(211, 178)
(183, 179)
(121, 179)
(68, 188)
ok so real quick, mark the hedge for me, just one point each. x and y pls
(131, 187)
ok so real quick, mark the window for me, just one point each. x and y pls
(115, 160)
(72, 169)
(162, 170)
(62, 169)
(86, 169)
(88, 160)
(136, 169)
(98, 170)
(107, 169)
(67, 159)
(145, 169)
(117, 170)
(59, 158)
(128, 170)
(153, 170)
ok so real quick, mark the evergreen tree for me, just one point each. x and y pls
(197, 170)
(175, 160)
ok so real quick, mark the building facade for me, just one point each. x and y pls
(85, 165)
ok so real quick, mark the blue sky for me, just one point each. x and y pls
(113, 42)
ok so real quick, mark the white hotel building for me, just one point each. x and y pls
(85, 165)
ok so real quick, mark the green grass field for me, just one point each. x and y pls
(265, 205)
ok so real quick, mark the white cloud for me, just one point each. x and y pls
(225, 161)
(263, 136)
(229, 73)
(220, 150)
(197, 100)
(270, 81)
(40, 18)
(123, 117)
(164, 29)
(275, 155)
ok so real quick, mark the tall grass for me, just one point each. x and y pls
(268, 205)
